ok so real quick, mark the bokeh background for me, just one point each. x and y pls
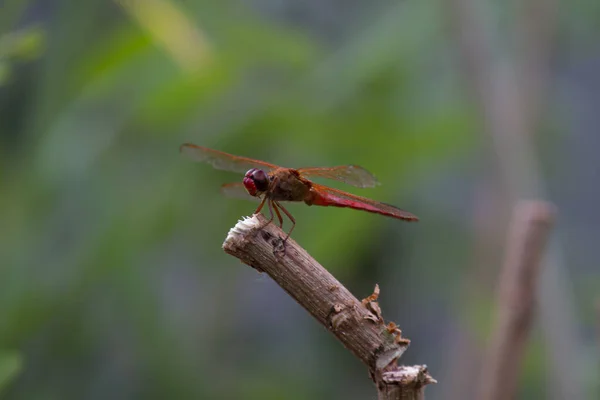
(113, 283)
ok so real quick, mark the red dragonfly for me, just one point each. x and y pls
(273, 184)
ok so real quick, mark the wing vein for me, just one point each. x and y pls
(350, 174)
(221, 160)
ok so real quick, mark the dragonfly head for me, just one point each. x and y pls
(255, 181)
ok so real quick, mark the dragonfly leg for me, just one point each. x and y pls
(270, 204)
(290, 217)
(260, 206)
(262, 203)
(276, 208)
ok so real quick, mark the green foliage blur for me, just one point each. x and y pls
(113, 283)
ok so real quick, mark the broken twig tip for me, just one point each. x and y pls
(242, 227)
(409, 376)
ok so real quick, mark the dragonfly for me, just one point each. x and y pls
(272, 184)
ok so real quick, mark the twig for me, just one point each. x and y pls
(358, 325)
(531, 224)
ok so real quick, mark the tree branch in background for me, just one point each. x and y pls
(358, 325)
(598, 321)
(510, 95)
(527, 238)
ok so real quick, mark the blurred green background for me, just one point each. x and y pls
(113, 283)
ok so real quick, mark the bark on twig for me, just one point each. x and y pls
(358, 325)
(531, 224)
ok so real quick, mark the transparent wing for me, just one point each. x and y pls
(336, 198)
(350, 174)
(222, 160)
(237, 190)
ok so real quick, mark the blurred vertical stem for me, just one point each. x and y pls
(504, 93)
(517, 290)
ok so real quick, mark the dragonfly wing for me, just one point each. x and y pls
(350, 174)
(326, 196)
(237, 190)
(222, 160)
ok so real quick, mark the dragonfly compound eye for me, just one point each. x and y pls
(256, 180)
(261, 180)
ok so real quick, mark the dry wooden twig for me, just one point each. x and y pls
(531, 225)
(359, 326)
